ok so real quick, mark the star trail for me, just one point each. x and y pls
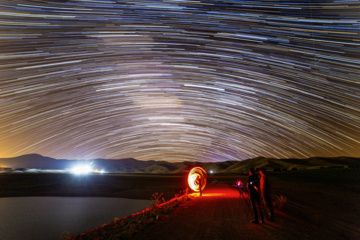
(180, 80)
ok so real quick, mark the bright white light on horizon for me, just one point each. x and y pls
(99, 171)
(211, 171)
(81, 169)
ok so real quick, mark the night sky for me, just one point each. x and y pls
(180, 80)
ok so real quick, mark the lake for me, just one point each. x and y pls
(46, 218)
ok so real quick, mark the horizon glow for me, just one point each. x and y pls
(81, 169)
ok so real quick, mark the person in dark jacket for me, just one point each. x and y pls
(265, 189)
(253, 186)
(198, 181)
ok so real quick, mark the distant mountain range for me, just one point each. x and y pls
(130, 165)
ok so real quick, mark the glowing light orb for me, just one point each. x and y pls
(196, 178)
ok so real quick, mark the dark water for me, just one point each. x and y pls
(46, 218)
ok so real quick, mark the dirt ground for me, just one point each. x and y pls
(222, 213)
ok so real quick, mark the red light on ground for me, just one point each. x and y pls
(196, 178)
(214, 195)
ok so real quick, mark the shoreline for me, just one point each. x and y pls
(126, 227)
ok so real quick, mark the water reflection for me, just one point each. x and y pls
(44, 218)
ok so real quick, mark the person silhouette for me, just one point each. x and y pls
(253, 185)
(198, 182)
(265, 189)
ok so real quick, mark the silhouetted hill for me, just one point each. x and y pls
(130, 165)
(292, 163)
(31, 161)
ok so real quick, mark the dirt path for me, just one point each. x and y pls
(221, 213)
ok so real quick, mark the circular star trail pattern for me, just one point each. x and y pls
(180, 80)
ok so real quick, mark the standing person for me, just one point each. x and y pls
(253, 185)
(265, 189)
(198, 182)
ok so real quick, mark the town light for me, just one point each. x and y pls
(81, 169)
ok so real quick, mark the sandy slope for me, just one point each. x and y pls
(222, 214)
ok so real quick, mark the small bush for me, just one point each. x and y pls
(156, 199)
(64, 236)
(280, 202)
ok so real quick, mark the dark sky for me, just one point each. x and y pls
(180, 80)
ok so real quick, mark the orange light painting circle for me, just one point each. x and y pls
(197, 176)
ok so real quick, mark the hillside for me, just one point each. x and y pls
(292, 163)
(131, 165)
